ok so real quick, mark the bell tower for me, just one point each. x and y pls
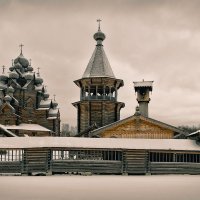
(98, 103)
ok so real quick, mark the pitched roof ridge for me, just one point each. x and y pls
(96, 131)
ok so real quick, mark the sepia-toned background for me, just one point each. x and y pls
(155, 40)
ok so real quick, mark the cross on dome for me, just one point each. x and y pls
(38, 70)
(99, 21)
(21, 46)
(3, 67)
(54, 97)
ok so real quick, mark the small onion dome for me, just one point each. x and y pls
(21, 60)
(53, 112)
(2, 86)
(99, 36)
(3, 77)
(29, 68)
(10, 89)
(38, 80)
(46, 95)
(11, 68)
(28, 76)
(54, 103)
(18, 66)
(14, 75)
(38, 88)
(8, 98)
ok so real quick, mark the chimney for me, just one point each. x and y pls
(143, 89)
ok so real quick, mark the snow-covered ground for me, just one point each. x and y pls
(169, 187)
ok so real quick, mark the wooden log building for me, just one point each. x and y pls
(24, 100)
(99, 107)
(135, 145)
(51, 155)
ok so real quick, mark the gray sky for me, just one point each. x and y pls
(145, 39)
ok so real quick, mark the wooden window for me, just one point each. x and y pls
(11, 155)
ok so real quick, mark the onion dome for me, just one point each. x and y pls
(10, 89)
(22, 60)
(11, 68)
(30, 68)
(38, 88)
(8, 98)
(14, 75)
(46, 95)
(53, 112)
(54, 103)
(18, 66)
(28, 76)
(38, 79)
(99, 36)
(3, 77)
(2, 86)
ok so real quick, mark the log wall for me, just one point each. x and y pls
(98, 161)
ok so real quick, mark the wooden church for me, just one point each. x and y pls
(98, 111)
(104, 143)
(25, 107)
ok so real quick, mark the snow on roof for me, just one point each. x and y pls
(52, 118)
(143, 84)
(30, 127)
(45, 103)
(7, 131)
(3, 86)
(194, 133)
(100, 143)
(38, 88)
(53, 111)
(42, 109)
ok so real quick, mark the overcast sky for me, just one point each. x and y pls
(155, 40)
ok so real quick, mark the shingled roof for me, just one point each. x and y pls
(98, 65)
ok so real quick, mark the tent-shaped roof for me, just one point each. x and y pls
(99, 65)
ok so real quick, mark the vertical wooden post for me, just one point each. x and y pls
(96, 89)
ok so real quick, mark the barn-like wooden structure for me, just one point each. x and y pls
(51, 155)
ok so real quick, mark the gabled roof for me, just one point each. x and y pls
(99, 143)
(27, 84)
(98, 131)
(7, 132)
(29, 127)
(98, 65)
(8, 104)
(15, 82)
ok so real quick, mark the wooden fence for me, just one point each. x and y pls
(98, 161)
